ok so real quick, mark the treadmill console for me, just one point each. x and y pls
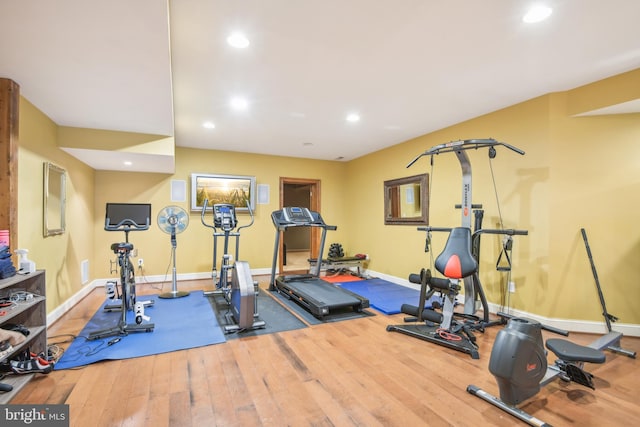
(224, 216)
(297, 215)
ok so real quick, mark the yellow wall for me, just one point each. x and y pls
(195, 244)
(410, 206)
(604, 93)
(520, 182)
(577, 172)
(61, 255)
(595, 164)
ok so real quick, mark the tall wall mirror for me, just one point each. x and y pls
(406, 200)
(54, 199)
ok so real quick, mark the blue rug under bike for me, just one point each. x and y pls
(180, 324)
(385, 296)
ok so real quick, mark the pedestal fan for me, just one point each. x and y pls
(173, 220)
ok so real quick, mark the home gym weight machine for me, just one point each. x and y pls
(466, 207)
(126, 217)
(240, 292)
(519, 364)
(462, 250)
(456, 262)
(317, 296)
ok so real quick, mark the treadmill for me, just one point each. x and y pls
(319, 297)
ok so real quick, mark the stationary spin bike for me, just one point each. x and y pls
(240, 291)
(519, 364)
(126, 217)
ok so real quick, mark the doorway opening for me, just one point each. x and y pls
(297, 245)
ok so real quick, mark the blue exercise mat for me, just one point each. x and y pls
(180, 323)
(385, 296)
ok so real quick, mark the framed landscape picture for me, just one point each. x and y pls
(233, 189)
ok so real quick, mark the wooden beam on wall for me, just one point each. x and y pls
(9, 112)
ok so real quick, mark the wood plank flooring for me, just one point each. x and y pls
(349, 373)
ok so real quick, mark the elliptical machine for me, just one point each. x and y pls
(234, 283)
(519, 364)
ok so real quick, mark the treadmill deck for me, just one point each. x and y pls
(319, 296)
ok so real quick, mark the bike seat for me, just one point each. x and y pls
(121, 246)
(571, 352)
(456, 260)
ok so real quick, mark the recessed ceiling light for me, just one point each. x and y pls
(209, 125)
(353, 117)
(127, 163)
(239, 104)
(238, 40)
(537, 13)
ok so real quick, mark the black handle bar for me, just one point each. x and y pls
(445, 229)
(507, 231)
(126, 225)
(204, 210)
(542, 325)
(250, 214)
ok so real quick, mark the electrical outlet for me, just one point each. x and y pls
(140, 262)
(512, 287)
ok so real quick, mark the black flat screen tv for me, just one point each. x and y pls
(127, 216)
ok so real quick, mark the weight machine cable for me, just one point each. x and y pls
(506, 295)
(428, 243)
(495, 192)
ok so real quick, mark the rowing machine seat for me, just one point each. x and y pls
(571, 352)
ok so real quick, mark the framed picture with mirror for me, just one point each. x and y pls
(54, 199)
(406, 200)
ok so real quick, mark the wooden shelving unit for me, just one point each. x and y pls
(32, 313)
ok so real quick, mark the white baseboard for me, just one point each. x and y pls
(60, 310)
(185, 276)
(571, 325)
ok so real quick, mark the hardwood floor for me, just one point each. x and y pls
(297, 260)
(349, 373)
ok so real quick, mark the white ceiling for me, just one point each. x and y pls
(408, 67)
